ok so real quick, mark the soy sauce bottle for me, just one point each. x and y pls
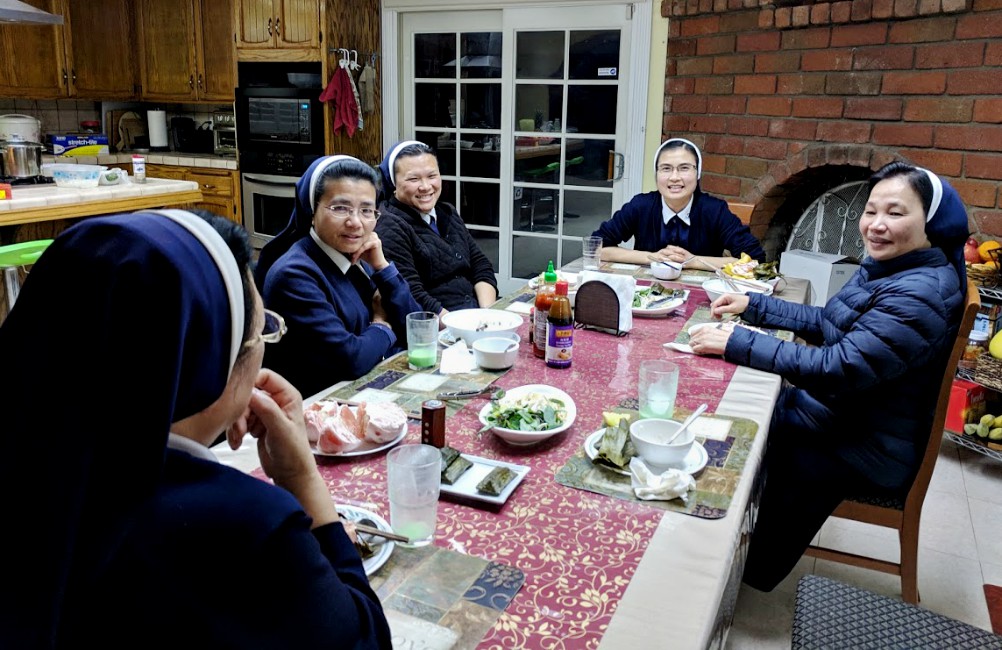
(560, 330)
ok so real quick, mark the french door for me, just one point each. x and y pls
(527, 111)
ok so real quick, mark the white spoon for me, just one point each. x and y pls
(689, 420)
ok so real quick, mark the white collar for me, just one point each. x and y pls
(189, 446)
(342, 262)
(428, 216)
(667, 213)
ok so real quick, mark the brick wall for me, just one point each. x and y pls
(774, 91)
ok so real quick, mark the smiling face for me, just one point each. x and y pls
(418, 181)
(676, 187)
(893, 222)
(344, 235)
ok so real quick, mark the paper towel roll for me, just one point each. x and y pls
(157, 124)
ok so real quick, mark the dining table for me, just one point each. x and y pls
(586, 563)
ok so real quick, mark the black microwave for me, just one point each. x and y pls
(280, 129)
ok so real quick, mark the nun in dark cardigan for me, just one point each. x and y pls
(344, 303)
(426, 238)
(138, 338)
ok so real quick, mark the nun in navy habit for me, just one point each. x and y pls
(136, 340)
(344, 303)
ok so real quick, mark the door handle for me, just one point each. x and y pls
(262, 181)
(73, 74)
(278, 27)
(200, 81)
(191, 81)
(617, 166)
(269, 27)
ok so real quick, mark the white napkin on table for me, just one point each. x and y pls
(457, 358)
(623, 285)
(668, 485)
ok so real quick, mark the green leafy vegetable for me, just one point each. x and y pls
(530, 412)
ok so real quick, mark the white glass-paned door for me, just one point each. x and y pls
(525, 120)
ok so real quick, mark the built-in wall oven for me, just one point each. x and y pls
(281, 132)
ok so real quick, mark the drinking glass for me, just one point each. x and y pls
(591, 251)
(658, 386)
(422, 339)
(413, 478)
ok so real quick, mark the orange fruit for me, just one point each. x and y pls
(983, 249)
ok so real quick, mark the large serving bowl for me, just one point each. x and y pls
(716, 287)
(650, 437)
(666, 270)
(473, 324)
(522, 438)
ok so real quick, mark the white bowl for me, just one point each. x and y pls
(715, 287)
(650, 437)
(522, 438)
(666, 270)
(81, 176)
(496, 352)
(473, 324)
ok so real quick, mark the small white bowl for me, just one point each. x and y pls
(473, 324)
(666, 270)
(496, 352)
(523, 438)
(650, 437)
(715, 287)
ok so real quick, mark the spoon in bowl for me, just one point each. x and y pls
(689, 420)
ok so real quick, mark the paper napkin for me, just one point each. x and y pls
(457, 359)
(664, 486)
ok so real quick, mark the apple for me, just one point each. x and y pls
(971, 253)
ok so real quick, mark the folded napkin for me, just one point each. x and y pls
(457, 359)
(668, 485)
(623, 285)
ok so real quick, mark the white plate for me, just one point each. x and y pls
(466, 486)
(446, 339)
(694, 461)
(383, 547)
(661, 310)
(523, 438)
(366, 448)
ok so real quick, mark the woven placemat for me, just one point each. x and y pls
(715, 485)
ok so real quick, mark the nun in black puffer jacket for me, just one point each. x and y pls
(854, 414)
(427, 240)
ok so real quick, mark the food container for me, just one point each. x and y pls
(473, 324)
(77, 176)
(650, 436)
(496, 352)
(14, 126)
(21, 159)
(666, 270)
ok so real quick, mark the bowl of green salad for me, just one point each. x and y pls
(528, 414)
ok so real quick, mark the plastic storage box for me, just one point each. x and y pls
(70, 175)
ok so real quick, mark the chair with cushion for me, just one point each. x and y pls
(830, 614)
(904, 514)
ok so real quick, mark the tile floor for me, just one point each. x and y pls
(960, 549)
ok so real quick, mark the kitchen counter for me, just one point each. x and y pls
(36, 203)
(174, 158)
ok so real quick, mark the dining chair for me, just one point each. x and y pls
(904, 514)
(830, 614)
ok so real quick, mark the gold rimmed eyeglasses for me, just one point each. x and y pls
(272, 332)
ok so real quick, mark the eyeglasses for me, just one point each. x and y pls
(342, 212)
(683, 169)
(272, 332)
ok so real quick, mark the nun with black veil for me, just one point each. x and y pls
(345, 304)
(137, 339)
(855, 410)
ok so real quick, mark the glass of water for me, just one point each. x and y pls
(657, 388)
(591, 252)
(413, 478)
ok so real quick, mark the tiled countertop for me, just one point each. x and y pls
(47, 202)
(174, 158)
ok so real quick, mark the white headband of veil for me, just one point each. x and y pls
(699, 154)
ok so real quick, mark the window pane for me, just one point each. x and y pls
(594, 55)
(584, 212)
(481, 55)
(537, 160)
(481, 106)
(481, 159)
(445, 149)
(448, 192)
(529, 255)
(534, 209)
(490, 243)
(539, 55)
(538, 107)
(481, 203)
(431, 54)
(591, 109)
(435, 104)
(588, 162)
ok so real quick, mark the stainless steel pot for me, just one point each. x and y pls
(21, 159)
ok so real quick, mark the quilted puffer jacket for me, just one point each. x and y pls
(867, 387)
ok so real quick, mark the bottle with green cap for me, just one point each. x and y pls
(544, 297)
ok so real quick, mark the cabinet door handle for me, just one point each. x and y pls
(269, 27)
(65, 78)
(206, 186)
(73, 72)
(278, 27)
(191, 81)
(200, 81)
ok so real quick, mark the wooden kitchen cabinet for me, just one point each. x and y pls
(220, 187)
(278, 30)
(90, 56)
(186, 51)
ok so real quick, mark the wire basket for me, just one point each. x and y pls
(987, 275)
(989, 372)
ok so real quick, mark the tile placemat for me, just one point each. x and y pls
(437, 598)
(727, 441)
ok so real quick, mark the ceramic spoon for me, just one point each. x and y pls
(689, 420)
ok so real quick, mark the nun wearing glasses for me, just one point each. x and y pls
(130, 532)
(344, 303)
(678, 222)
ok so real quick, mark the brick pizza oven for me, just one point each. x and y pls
(791, 98)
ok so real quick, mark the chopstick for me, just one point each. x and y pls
(376, 532)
